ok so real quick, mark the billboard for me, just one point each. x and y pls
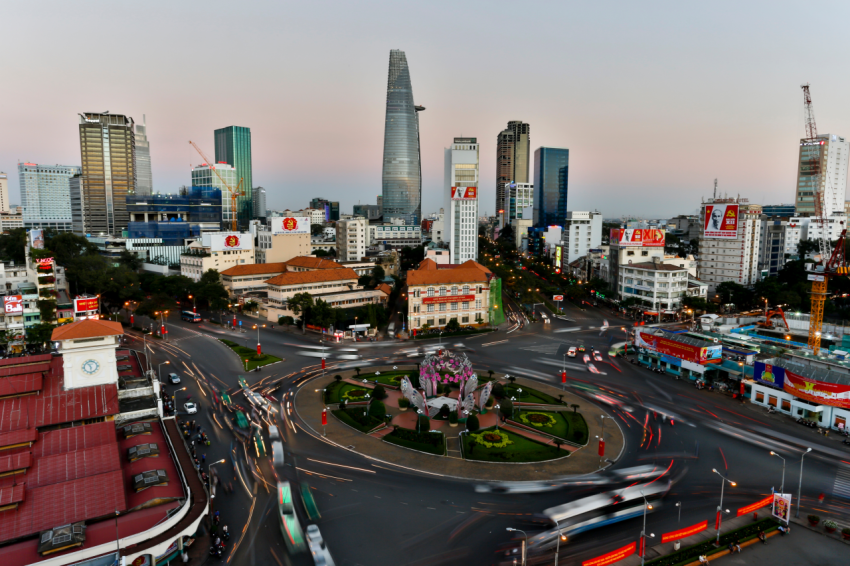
(558, 255)
(37, 239)
(85, 305)
(223, 242)
(781, 506)
(13, 304)
(684, 533)
(464, 193)
(721, 221)
(290, 225)
(448, 299)
(644, 237)
(820, 392)
(680, 350)
(768, 374)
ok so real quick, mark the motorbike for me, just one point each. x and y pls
(215, 551)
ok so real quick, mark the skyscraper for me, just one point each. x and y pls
(203, 176)
(4, 192)
(402, 169)
(46, 195)
(259, 198)
(233, 146)
(108, 150)
(461, 190)
(144, 179)
(826, 156)
(513, 156)
(551, 168)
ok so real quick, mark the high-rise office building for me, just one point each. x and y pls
(461, 191)
(258, 195)
(108, 151)
(402, 170)
(551, 168)
(513, 156)
(144, 178)
(4, 192)
(825, 159)
(331, 208)
(46, 195)
(233, 146)
(204, 176)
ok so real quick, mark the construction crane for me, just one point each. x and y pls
(829, 262)
(234, 194)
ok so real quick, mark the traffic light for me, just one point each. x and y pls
(592, 292)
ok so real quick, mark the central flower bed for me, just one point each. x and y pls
(491, 439)
(355, 395)
(539, 420)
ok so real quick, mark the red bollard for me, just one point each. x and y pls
(755, 516)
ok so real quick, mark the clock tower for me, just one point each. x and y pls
(88, 351)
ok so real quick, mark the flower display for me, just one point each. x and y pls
(540, 420)
(354, 394)
(491, 439)
(446, 368)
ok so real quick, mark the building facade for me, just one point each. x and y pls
(144, 177)
(437, 295)
(233, 146)
(660, 286)
(551, 181)
(108, 151)
(331, 208)
(401, 176)
(273, 248)
(583, 231)
(4, 192)
(258, 197)
(368, 211)
(733, 256)
(391, 236)
(513, 158)
(460, 187)
(772, 245)
(825, 160)
(174, 218)
(351, 238)
(781, 210)
(46, 195)
(204, 178)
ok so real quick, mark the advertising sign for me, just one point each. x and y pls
(448, 299)
(558, 252)
(820, 392)
(13, 304)
(721, 221)
(290, 225)
(557, 297)
(781, 506)
(44, 262)
(37, 239)
(612, 557)
(684, 533)
(84, 305)
(464, 193)
(768, 374)
(755, 506)
(686, 352)
(812, 277)
(227, 242)
(644, 237)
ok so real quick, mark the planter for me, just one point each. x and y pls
(453, 425)
(830, 529)
(402, 409)
(814, 522)
(846, 536)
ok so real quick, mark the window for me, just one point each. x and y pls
(466, 289)
(759, 397)
(786, 405)
(442, 307)
(454, 290)
(465, 305)
(430, 291)
(771, 400)
(454, 306)
(464, 319)
(430, 308)
(442, 291)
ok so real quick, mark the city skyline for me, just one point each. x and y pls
(725, 92)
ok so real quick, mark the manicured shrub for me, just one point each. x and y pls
(424, 423)
(472, 423)
(453, 417)
(444, 412)
(403, 403)
(379, 392)
(498, 390)
(377, 409)
(506, 407)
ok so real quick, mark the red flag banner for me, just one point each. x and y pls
(612, 557)
(755, 506)
(684, 533)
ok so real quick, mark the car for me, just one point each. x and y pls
(572, 352)
(191, 408)
(316, 544)
(581, 348)
(592, 368)
(586, 359)
(173, 378)
(597, 355)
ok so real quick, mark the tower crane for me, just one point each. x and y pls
(830, 262)
(238, 192)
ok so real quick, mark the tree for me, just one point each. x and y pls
(452, 325)
(130, 260)
(67, 247)
(378, 274)
(575, 407)
(13, 244)
(377, 409)
(323, 314)
(300, 303)
(316, 229)
(731, 292)
(472, 423)
(47, 308)
(39, 333)
(286, 321)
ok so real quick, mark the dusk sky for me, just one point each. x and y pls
(653, 99)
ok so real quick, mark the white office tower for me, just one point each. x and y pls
(4, 192)
(46, 195)
(825, 160)
(461, 186)
(144, 179)
(352, 235)
(583, 231)
(729, 242)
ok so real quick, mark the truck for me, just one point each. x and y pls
(290, 526)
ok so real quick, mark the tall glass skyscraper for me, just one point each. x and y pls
(551, 168)
(402, 171)
(144, 179)
(512, 160)
(205, 178)
(46, 195)
(233, 146)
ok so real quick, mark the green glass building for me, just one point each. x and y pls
(233, 146)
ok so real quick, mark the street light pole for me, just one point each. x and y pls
(209, 474)
(720, 507)
(159, 370)
(800, 487)
(525, 543)
(679, 506)
(558, 542)
(646, 507)
(782, 488)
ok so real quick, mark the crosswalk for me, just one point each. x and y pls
(842, 482)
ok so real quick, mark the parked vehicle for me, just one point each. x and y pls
(174, 378)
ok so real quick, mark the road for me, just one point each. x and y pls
(374, 514)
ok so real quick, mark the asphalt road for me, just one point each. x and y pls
(375, 515)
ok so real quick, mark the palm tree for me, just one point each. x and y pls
(575, 407)
(561, 399)
(490, 373)
(358, 371)
(558, 443)
(512, 379)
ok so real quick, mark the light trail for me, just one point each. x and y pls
(321, 474)
(342, 466)
(244, 530)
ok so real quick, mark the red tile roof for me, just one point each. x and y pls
(20, 384)
(385, 288)
(74, 438)
(427, 264)
(446, 276)
(255, 269)
(320, 276)
(89, 328)
(308, 262)
(73, 465)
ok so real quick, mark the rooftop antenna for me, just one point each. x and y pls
(715, 188)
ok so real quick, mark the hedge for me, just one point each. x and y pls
(430, 442)
(692, 553)
(355, 419)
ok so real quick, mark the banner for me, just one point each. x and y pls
(37, 239)
(557, 297)
(820, 392)
(684, 533)
(755, 506)
(464, 193)
(448, 299)
(290, 225)
(680, 350)
(226, 242)
(558, 252)
(781, 506)
(612, 557)
(768, 374)
(13, 304)
(85, 305)
(643, 237)
(721, 221)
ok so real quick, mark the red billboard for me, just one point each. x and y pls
(687, 352)
(755, 506)
(464, 193)
(13, 304)
(448, 299)
(820, 392)
(684, 533)
(721, 221)
(643, 237)
(612, 557)
(85, 305)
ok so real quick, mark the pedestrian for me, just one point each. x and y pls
(737, 546)
(193, 444)
(199, 429)
(204, 458)
(781, 530)
(762, 538)
(703, 559)
(820, 498)
(217, 541)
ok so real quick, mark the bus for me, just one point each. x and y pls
(190, 316)
(290, 527)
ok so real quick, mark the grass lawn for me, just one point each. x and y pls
(529, 395)
(567, 425)
(254, 361)
(521, 449)
(430, 442)
(334, 392)
(355, 419)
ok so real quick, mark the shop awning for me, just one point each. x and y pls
(650, 313)
(807, 406)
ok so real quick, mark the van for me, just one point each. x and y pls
(277, 453)
(274, 433)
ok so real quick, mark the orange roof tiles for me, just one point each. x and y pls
(474, 264)
(427, 264)
(255, 269)
(308, 262)
(89, 328)
(301, 277)
(446, 276)
(385, 288)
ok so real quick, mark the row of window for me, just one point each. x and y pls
(444, 291)
(464, 305)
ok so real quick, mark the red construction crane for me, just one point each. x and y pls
(238, 192)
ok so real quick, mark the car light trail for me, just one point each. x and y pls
(342, 466)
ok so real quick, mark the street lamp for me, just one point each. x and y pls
(647, 506)
(558, 542)
(782, 488)
(525, 543)
(513, 407)
(259, 349)
(174, 398)
(209, 474)
(679, 506)
(159, 371)
(162, 315)
(800, 487)
(720, 507)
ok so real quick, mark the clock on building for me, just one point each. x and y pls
(91, 366)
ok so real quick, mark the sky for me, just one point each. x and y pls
(653, 99)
